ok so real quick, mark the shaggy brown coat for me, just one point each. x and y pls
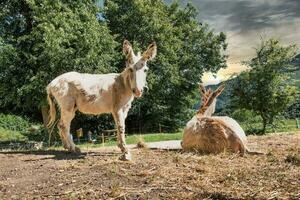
(207, 134)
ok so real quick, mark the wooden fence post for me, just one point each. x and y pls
(159, 127)
(297, 123)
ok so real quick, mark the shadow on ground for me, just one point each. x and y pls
(58, 154)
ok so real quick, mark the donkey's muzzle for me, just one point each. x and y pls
(137, 93)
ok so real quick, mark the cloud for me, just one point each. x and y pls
(246, 14)
(210, 79)
(245, 22)
(232, 70)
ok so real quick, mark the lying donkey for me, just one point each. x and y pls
(213, 134)
(100, 93)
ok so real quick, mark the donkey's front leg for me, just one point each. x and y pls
(119, 118)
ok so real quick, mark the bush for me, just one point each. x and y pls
(9, 135)
(244, 115)
(14, 123)
(17, 128)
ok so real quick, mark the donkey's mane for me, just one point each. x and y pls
(125, 77)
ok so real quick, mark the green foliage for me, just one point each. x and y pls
(243, 115)
(14, 123)
(185, 50)
(43, 39)
(280, 124)
(267, 88)
(16, 128)
(9, 135)
(13, 128)
(293, 111)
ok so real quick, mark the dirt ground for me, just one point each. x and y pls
(155, 174)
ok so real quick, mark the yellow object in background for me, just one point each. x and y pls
(79, 133)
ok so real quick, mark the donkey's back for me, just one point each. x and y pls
(90, 93)
(88, 82)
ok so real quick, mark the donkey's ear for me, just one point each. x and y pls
(220, 89)
(127, 47)
(202, 89)
(128, 51)
(204, 93)
(151, 51)
(213, 95)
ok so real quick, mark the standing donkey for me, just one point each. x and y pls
(100, 93)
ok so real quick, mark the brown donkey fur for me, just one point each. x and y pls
(207, 134)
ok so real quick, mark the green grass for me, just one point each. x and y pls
(133, 139)
(9, 135)
(280, 126)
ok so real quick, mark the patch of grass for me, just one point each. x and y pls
(14, 122)
(134, 139)
(154, 137)
(9, 135)
(15, 128)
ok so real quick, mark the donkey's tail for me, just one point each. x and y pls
(52, 110)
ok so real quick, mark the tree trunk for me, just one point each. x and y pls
(264, 125)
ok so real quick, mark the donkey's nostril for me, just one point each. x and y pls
(137, 92)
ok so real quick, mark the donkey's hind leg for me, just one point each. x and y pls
(64, 129)
(64, 140)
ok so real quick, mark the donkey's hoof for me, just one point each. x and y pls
(77, 150)
(125, 157)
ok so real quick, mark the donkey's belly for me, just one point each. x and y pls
(94, 108)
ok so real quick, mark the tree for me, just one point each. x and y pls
(185, 50)
(42, 39)
(267, 88)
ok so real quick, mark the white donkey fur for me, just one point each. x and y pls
(100, 93)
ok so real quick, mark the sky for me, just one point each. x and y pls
(245, 22)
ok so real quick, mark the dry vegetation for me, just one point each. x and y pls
(155, 174)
